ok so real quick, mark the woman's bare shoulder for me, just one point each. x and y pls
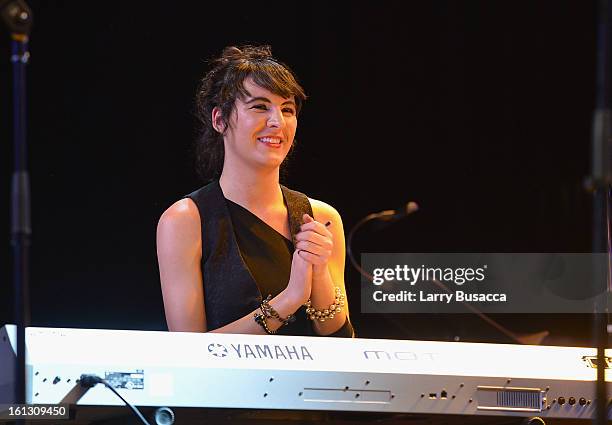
(324, 212)
(181, 219)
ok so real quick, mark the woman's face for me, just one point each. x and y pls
(262, 128)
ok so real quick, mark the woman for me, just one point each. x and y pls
(244, 254)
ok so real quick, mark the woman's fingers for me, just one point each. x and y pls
(315, 238)
(307, 218)
(314, 242)
(312, 258)
(314, 248)
(314, 253)
(310, 224)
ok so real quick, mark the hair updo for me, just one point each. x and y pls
(223, 84)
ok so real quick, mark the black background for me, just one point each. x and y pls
(478, 110)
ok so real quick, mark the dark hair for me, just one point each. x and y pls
(223, 84)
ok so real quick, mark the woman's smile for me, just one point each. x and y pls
(271, 142)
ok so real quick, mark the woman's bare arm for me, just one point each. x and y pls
(179, 250)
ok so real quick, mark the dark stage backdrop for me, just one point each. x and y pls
(478, 110)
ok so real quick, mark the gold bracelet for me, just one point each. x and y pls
(329, 313)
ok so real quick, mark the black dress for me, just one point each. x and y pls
(244, 259)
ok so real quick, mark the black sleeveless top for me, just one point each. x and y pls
(244, 259)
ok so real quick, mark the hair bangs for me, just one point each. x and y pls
(274, 77)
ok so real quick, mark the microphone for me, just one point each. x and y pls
(387, 216)
(395, 215)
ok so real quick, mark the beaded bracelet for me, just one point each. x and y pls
(269, 311)
(323, 315)
(261, 321)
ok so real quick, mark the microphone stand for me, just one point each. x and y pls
(600, 185)
(17, 16)
(535, 338)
